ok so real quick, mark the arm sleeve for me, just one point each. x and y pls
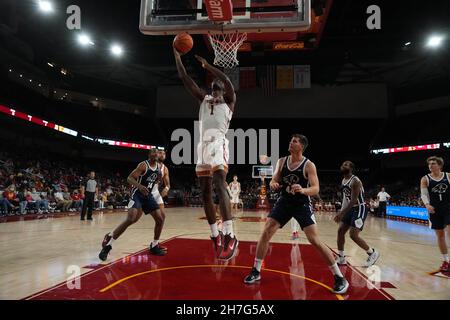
(425, 196)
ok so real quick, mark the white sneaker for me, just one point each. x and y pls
(340, 260)
(372, 259)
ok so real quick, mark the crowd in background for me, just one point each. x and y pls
(35, 183)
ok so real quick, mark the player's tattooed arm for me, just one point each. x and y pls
(188, 82)
(134, 175)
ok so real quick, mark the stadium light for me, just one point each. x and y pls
(116, 50)
(85, 40)
(435, 41)
(408, 43)
(45, 6)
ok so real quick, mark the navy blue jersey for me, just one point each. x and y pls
(295, 176)
(439, 191)
(346, 187)
(149, 179)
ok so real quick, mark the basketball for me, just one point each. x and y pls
(183, 43)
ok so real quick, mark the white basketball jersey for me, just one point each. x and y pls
(234, 187)
(214, 119)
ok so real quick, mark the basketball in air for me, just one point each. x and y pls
(183, 43)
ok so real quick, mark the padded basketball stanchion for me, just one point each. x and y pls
(226, 47)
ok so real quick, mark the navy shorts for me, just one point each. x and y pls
(356, 217)
(284, 211)
(440, 218)
(146, 203)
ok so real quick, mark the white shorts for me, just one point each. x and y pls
(212, 156)
(157, 196)
(235, 198)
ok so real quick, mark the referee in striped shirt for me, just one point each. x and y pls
(90, 190)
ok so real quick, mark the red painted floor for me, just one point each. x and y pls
(190, 272)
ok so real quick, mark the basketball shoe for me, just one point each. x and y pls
(340, 285)
(254, 276)
(340, 260)
(372, 259)
(218, 243)
(445, 266)
(229, 247)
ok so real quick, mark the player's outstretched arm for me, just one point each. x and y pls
(188, 82)
(230, 95)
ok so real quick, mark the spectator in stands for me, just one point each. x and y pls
(41, 202)
(67, 198)
(23, 203)
(61, 204)
(383, 198)
(5, 206)
(77, 201)
(11, 196)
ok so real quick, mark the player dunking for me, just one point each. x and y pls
(435, 193)
(352, 215)
(235, 190)
(144, 179)
(216, 111)
(298, 180)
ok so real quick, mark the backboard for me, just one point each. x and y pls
(169, 17)
(259, 171)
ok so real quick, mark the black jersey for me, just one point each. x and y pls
(439, 191)
(150, 178)
(346, 188)
(295, 176)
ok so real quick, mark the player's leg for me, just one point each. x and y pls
(155, 206)
(210, 212)
(134, 214)
(230, 242)
(159, 218)
(270, 229)
(442, 243)
(373, 254)
(295, 229)
(340, 283)
(342, 231)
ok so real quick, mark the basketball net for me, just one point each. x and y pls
(226, 47)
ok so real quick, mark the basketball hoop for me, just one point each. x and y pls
(225, 47)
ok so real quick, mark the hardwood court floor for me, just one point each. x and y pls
(39, 254)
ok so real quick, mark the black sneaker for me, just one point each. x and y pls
(254, 276)
(340, 285)
(157, 250)
(104, 253)
(106, 240)
(90, 218)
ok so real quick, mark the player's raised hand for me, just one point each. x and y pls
(176, 53)
(202, 61)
